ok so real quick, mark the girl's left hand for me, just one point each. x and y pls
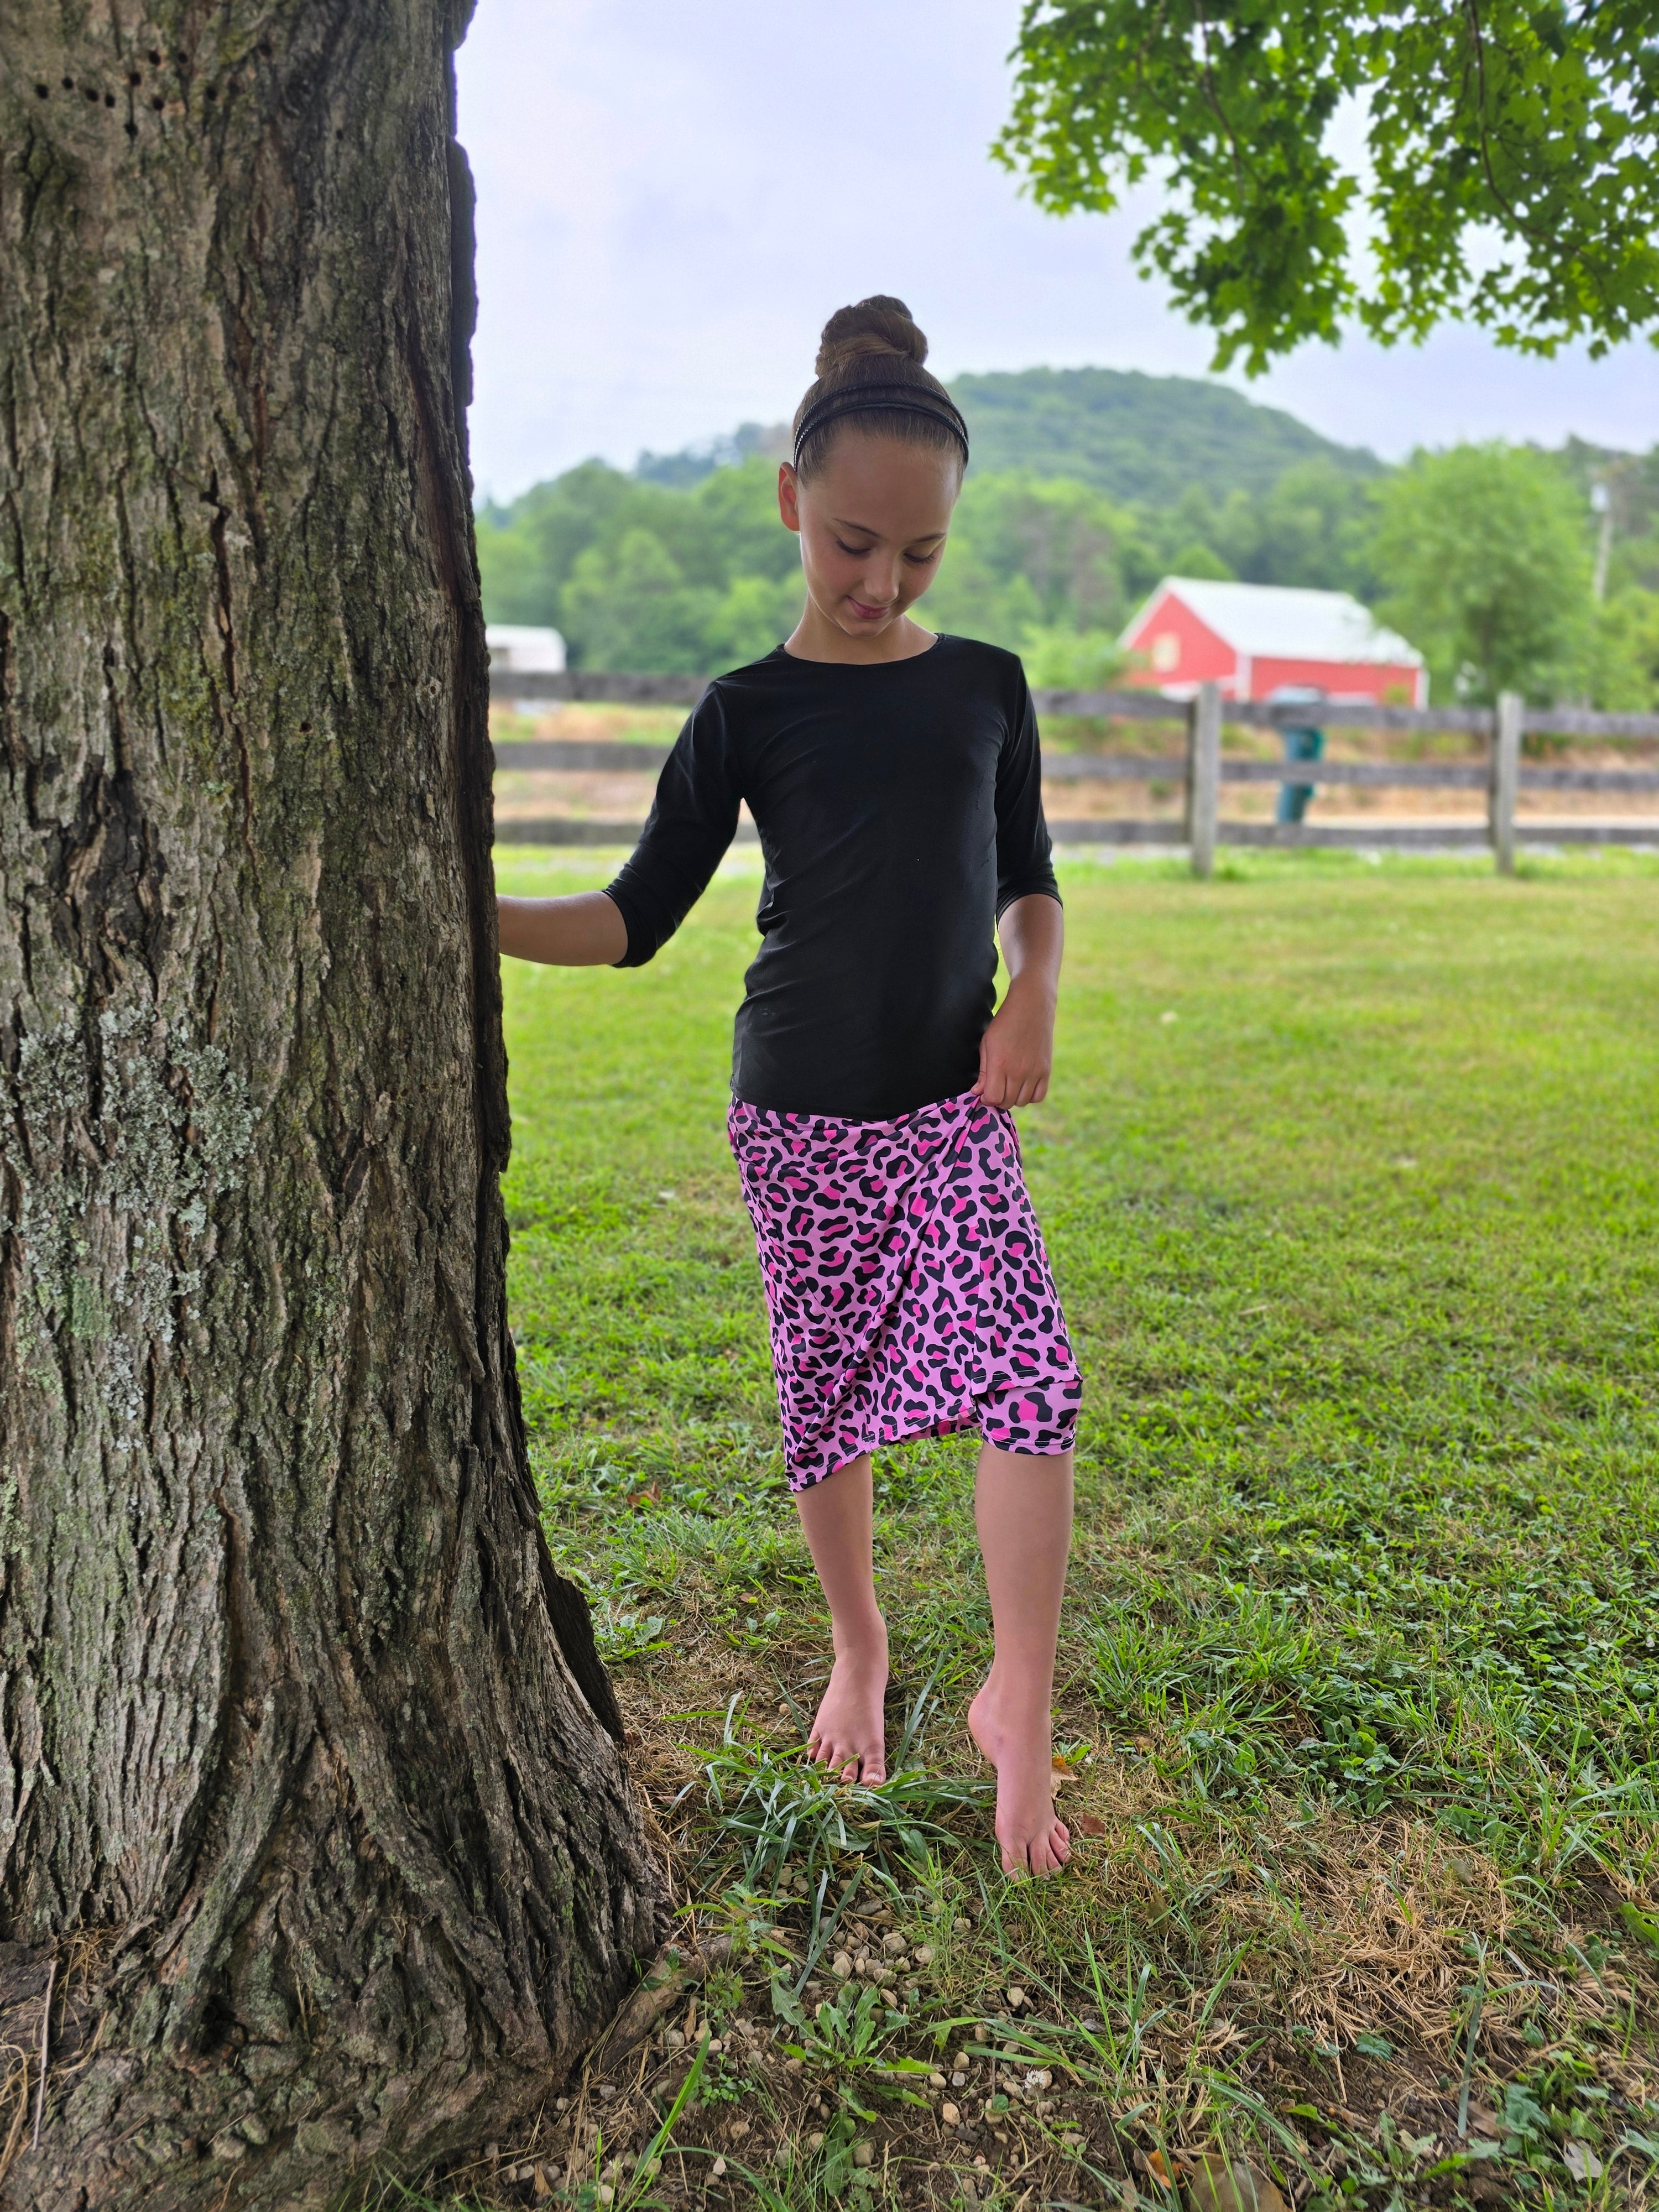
(1017, 1052)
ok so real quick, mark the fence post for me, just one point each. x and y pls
(1505, 780)
(1204, 775)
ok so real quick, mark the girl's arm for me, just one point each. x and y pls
(692, 821)
(1017, 1052)
(586, 931)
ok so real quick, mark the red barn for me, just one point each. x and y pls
(1253, 638)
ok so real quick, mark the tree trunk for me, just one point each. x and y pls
(308, 1795)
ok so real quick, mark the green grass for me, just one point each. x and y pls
(1351, 1179)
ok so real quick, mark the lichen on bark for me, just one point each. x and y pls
(110, 1226)
(308, 1772)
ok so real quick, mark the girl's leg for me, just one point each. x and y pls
(1023, 1506)
(836, 1517)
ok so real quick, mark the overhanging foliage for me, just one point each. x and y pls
(1511, 149)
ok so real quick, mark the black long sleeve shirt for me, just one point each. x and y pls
(900, 809)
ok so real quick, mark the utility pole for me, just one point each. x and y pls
(1601, 505)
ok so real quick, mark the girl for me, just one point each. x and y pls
(894, 778)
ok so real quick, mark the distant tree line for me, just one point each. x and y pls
(1486, 557)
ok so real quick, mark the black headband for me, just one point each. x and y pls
(880, 398)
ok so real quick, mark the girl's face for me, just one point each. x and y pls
(872, 524)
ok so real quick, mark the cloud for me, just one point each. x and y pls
(671, 200)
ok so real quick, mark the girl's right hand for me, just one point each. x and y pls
(585, 931)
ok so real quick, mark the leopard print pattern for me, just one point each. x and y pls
(907, 1287)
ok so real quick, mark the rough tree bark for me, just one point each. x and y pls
(307, 1789)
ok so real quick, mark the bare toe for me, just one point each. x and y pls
(1049, 1853)
(846, 1738)
(830, 1756)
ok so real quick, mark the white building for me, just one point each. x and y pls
(519, 649)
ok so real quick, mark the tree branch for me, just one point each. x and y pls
(1241, 165)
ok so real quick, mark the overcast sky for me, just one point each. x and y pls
(671, 198)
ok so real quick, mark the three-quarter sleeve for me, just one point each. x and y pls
(1025, 854)
(693, 819)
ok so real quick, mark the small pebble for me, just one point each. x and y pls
(924, 1955)
(1016, 1999)
(842, 1966)
(951, 2115)
(607, 2194)
(718, 2169)
(1039, 2079)
(961, 1926)
(958, 2080)
(675, 2040)
(936, 2080)
(864, 2153)
(815, 2142)
(739, 2130)
(893, 1943)
(607, 2091)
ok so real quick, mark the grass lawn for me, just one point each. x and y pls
(1351, 1178)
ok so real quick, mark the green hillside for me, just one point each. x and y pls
(1143, 440)
(1088, 485)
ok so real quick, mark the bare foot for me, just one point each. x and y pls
(1020, 1746)
(847, 1735)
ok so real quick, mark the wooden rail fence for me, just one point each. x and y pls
(1200, 768)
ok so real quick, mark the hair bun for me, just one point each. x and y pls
(875, 326)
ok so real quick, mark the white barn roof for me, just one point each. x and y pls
(1278, 621)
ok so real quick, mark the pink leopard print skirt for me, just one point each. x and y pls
(906, 1286)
